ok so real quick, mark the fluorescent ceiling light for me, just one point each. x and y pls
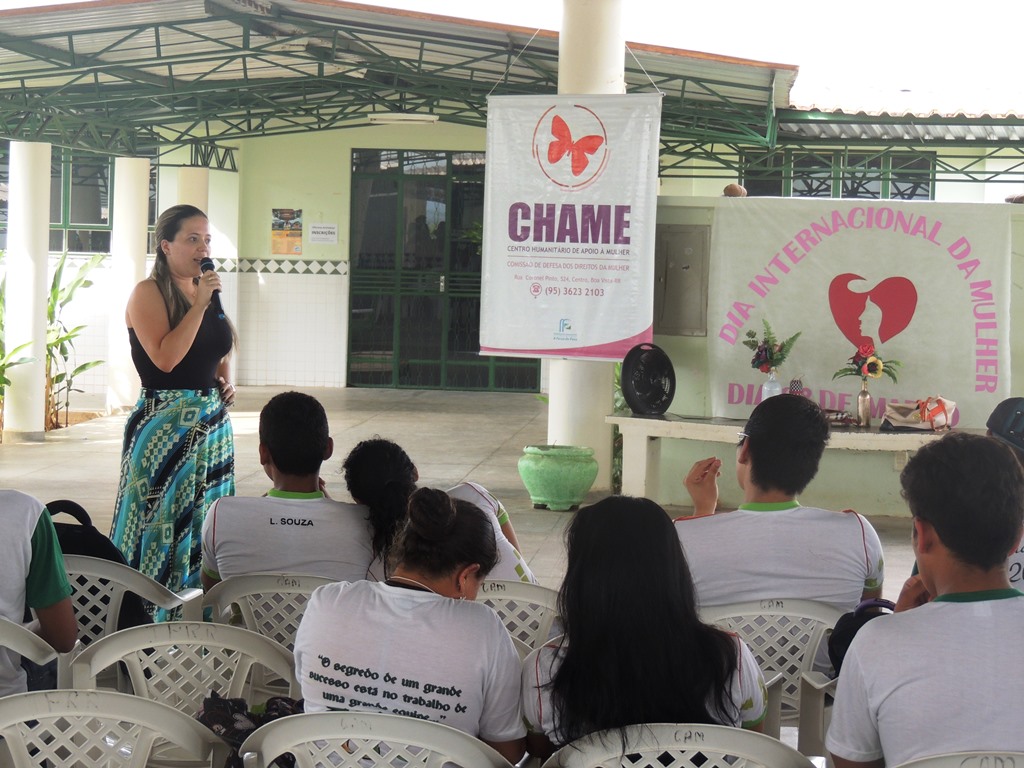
(400, 118)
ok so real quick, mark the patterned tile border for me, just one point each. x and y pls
(271, 266)
(293, 266)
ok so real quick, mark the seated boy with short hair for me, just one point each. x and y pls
(295, 528)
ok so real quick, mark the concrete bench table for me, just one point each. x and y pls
(641, 442)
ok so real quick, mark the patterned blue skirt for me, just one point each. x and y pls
(178, 458)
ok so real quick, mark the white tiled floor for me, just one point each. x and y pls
(452, 436)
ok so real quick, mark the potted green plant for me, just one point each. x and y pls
(60, 341)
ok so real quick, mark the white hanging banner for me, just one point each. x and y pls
(923, 283)
(569, 214)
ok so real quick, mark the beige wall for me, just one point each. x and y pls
(864, 481)
(313, 171)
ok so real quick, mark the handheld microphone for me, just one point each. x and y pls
(206, 265)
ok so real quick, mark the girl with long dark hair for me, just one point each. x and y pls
(634, 650)
(380, 475)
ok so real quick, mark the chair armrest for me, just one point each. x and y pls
(814, 688)
(773, 718)
(23, 641)
(64, 665)
(191, 604)
(818, 681)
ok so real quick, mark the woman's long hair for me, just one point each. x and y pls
(634, 650)
(167, 228)
(381, 475)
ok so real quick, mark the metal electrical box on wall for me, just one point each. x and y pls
(681, 254)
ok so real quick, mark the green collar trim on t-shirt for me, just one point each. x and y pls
(274, 493)
(770, 506)
(977, 597)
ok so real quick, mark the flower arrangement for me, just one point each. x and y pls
(867, 363)
(769, 352)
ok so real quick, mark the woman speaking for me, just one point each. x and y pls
(178, 453)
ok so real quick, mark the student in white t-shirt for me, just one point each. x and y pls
(418, 644)
(295, 528)
(634, 649)
(32, 575)
(1006, 424)
(381, 475)
(938, 675)
(773, 546)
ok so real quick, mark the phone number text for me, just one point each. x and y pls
(554, 290)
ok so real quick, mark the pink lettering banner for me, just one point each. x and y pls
(569, 214)
(925, 284)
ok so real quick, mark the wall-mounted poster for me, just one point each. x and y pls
(925, 284)
(286, 231)
(569, 208)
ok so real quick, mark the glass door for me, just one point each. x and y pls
(415, 275)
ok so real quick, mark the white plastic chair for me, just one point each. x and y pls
(179, 662)
(784, 635)
(528, 611)
(677, 745)
(98, 588)
(16, 640)
(362, 739)
(85, 729)
(269, 603)
(24, 642)
(968, 760)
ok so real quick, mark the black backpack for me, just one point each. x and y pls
(850, 623)
(85, 539)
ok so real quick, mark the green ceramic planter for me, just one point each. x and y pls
(557, 476)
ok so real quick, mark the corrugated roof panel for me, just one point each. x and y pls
(154, 59)
(885, 127)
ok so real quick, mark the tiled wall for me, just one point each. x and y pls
(292, 323)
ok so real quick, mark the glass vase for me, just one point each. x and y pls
(772, 387)
(864, 404)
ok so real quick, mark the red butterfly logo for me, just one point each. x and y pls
(564, 145)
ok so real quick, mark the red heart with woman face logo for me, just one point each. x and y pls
(896, 297)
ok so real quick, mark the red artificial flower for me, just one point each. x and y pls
(866, 350)
(765, 367)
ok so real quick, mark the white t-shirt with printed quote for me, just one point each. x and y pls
(370, 645)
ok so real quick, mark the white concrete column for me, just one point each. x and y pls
(591, 55)
(28, 247)
(128, 246)
(193, 188)
(591, 47)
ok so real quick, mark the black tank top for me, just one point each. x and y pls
(198, 369)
